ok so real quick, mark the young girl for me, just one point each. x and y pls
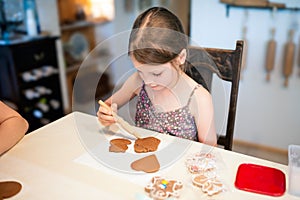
(169, 101)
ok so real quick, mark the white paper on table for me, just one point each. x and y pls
(140, 179)
(98, 156)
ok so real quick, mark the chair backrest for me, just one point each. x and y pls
(226, 64)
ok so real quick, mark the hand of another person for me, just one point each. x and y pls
(105, 116)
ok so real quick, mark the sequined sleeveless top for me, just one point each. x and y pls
(179, 122)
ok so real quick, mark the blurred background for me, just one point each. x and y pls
(89, 59)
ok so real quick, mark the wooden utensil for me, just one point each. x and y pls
(289, 57)
(125, 125)
(270, 58)
(245, 51)
(299, 56)
(244, 37)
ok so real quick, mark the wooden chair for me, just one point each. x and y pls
(226, 64)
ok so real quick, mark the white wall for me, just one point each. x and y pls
(268, 113)
(119, 41)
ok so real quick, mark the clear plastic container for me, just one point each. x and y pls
(294, 170)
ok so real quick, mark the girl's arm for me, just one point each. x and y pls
(204, 116)
(12, 127)
(128, 90)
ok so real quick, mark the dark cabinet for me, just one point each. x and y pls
(29, 78)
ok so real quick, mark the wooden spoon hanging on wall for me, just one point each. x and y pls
(271, 47)
(289, 55)
(270, 58)
(299, 56)
(244, 37)
(245, 51)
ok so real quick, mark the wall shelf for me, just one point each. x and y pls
(30, 73)
(256, 4)
(82, 24)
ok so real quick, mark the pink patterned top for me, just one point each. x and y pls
(179, 122)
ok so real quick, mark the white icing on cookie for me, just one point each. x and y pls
(161, 188)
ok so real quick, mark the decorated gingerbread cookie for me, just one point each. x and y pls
(212, 187)
(161, 188)
(200, 162)
(208, 182)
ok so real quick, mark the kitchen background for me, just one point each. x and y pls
(268, 112)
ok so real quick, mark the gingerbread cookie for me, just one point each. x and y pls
(199, 180)
(200, 162)
(9, 189)
(148, 164)
(161, 188)
(213, 187)
(148, 144)
(209, 183)
(119, 145)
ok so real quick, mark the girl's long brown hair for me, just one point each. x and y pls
(157, 37)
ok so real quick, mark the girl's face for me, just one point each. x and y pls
(157, 77)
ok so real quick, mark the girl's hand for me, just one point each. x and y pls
(105, 116)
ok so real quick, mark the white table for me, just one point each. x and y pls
(57, 162)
